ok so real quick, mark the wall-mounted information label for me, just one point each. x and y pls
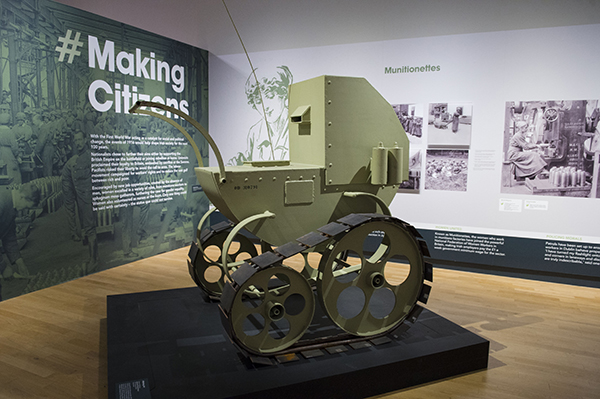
(533, 205)
(469, 243)
(139, 389)
(568, 252)
(484, 160)
(124, 175)
(511, 205)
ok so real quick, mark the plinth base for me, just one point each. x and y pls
(171, 344)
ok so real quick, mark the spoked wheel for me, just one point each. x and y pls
(277, 315)
(207, 269)
(370, 294)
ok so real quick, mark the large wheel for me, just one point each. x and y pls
(277, 316)
(367, 294)
(208, 272)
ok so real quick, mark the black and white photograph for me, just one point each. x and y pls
(446, 170)
(415, 165)
(549, 147)
(449, 124)
(411, 118)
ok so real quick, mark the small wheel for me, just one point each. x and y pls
(208, 272)
(277, 316)
(369, 294)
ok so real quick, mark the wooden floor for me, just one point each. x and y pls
(545, 337)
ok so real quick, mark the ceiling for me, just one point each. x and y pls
(283, 24)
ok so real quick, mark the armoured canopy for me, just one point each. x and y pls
(337, 125)
(335, 122)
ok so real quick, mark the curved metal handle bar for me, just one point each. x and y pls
(198, 126)
(234, 232)
(384, 208)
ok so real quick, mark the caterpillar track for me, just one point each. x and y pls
(267, 307)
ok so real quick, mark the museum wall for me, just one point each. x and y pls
(500, 64)
(84, 185)
(289, 24)
(479, 109)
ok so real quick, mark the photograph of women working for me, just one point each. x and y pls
(548, 148)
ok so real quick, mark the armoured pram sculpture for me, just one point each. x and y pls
(348, 154)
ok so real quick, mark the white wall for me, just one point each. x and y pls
(484, 69)
(286, 24)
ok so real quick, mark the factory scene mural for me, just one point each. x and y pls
(84, 185)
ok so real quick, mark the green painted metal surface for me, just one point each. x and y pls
(335, 122)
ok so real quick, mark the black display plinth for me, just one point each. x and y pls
(171, 344)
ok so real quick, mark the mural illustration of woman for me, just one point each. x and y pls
(268, 138)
